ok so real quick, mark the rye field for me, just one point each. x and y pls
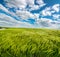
(25, 42)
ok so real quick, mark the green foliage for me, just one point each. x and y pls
(29, 43)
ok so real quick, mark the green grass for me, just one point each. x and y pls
(29, 43)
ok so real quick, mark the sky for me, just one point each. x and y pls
(30, 13)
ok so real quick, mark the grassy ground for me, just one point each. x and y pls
(29, 43)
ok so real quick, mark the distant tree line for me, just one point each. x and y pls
(0, 27)
(3, 27)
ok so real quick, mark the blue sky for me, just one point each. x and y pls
(30, 13)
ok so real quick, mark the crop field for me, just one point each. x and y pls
(25, 42)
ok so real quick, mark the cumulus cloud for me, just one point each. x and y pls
(48, 11)
(16, 3)
(6, 10)
(56, 16)
(22, 4)
(56, 7)
(47, 23)
(26, 15)
(40, 3)
(3, 8)
(9, 21)
(44, 22)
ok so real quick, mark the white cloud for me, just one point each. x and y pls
(34, 7)
(16, 3)
(30, 2)
(43, 20)
(6, 10)
(22, 4)
(6, 20)
(26, 15)
(56, 7)
(48, 11)
(56, 16)
(3, 8)
(47, 23)
(40, 2)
